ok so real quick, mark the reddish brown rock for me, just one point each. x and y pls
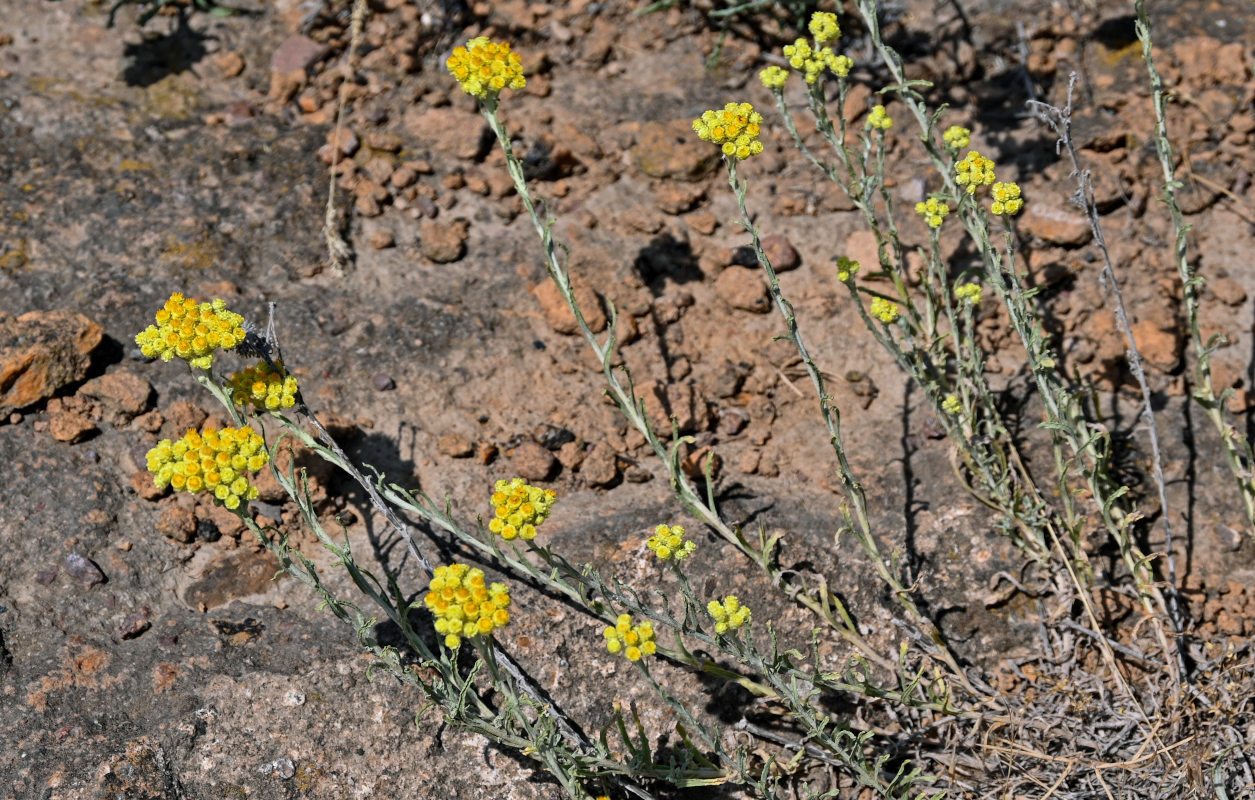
(1205, 61)
(448, 131)
(1109, 178)
(229, 62)
(673, 150)
(284, 86)
(781, 253)
(387, 142)
(1054, 224)
(556, 312)
(225, 520)
(695, 462)
(403, 177)
(833, 198)
(40, 352)
(382, 239)
(1050, 266)
(860, 246)
(571, 455)
(713, 259)
(601, 466)
(1227, 290)
(639, 219)
(531, 462)
(1160, 348)
(678, 400)
(229, 575)
(444, 242)
(341, 143)
(142, 483)
(455, 445)
(743, 288)
(676, 198)
(183, 416)
(296, 53)
(178, 524)
(379, 169)
(123, 395)
(70, 427)
(702, 222)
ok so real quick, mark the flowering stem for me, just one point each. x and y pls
(832, 421)
(1237, 448)
(631, 406)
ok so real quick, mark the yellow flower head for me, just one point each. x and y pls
(519, 508)
(192, 331)
(812, 62)
(823, 26)
(933, 211)
(974, 171)
(633, 641)
(968, 293)
(1007, 201)
(840, 65)
(951, 405)
(847, 268)
(879, 120)
(210, 461)
(774, 78)
(734, 128)
(485, 67)
(729, 615)
(957, 137)
(884, 310)
(464, 605)
(264, 388)
(668, 542)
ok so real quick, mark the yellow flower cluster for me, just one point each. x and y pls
(518, 508)
(878, 119)
(669, 542)
(729, 615)
(812, 62)
(633, 641)
(884, 310)
(951, 404)
(774, 77)
(1007, 200)
(847, 268)
(823, 26)
(968, 293)
(933, 211)
(735, 128)
(265, 388)
(192, 331)
(957, 137)
(485, 67)
(974, 171)
(215, 461)
(464, 605)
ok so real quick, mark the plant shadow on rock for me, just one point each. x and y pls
(157, 56)
(379, 453)
(667, 257)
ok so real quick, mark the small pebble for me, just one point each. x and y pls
(383, 382)
(81, 569)
(280, 767)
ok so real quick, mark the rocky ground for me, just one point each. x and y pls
(145, 650)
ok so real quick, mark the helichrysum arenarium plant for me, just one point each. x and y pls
(923, 687)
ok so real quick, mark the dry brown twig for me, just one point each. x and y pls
(339, 251)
